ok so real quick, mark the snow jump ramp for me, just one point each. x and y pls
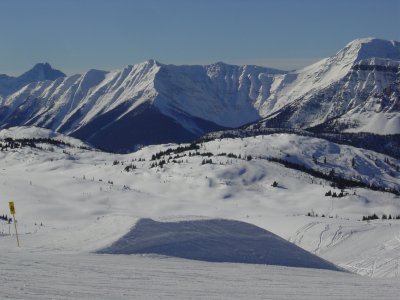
(214, 240)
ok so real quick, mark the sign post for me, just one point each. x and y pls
(12, 211)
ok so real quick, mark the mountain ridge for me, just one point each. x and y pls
(357, 89)
(39, 72)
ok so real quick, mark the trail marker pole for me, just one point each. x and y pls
(12, 211)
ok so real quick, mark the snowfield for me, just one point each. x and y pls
(72, 202)
(91, 276)
(351, 243)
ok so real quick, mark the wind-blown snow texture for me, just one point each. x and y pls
(355, 90)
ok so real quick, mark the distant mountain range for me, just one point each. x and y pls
(356, 90)
(40, 72)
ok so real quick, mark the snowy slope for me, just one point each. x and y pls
(26, 132)
(89, 276)
(362, 78)
(224, 94)
(328, 71)
(86, 200)
(370, 249)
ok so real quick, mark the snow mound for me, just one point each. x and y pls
(28, 132)
(214, 240)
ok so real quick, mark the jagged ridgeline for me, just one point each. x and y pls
(356, 90)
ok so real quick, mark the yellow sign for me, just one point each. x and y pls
(12, 208)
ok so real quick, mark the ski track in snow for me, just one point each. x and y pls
(335, 237)
(372, 251)
(320, 239)
(301, 232)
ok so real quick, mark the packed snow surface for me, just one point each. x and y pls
(90, 276)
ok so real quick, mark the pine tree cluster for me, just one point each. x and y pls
(5, 218)
(384, 217)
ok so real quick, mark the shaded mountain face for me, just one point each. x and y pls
(355, 90)
(40, 72)
(144, 125)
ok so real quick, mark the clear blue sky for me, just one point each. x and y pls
(76, 35)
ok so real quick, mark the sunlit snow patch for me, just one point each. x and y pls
(214, 240)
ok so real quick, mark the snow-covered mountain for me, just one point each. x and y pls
(221, 198)
(146, 103)
(357, 89)
(40, 72)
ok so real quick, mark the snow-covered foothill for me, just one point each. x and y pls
(74, 200)
(28, 132)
